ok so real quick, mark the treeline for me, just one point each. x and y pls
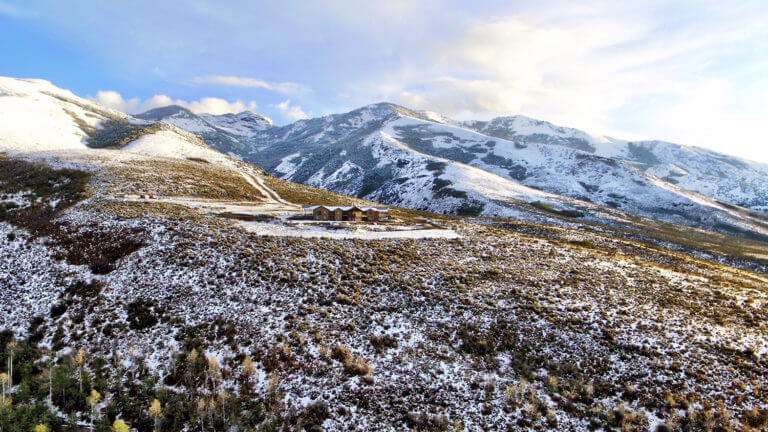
(76, 391)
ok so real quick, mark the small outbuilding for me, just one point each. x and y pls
(348, 213)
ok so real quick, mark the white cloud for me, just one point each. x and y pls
(210, 105)
(510, 66)
(281, 87)
(291, 112)
(113, 99)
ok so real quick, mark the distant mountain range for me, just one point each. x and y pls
(422, 160)
(228, 132)
(512, 167)
(716, 175)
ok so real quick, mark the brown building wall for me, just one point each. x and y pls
(353, 215)
(323, 214)
(372, 216)
(320, 214)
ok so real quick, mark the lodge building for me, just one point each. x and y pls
(350, 213)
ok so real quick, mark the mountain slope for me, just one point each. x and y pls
(722, 177)
(393, 155)
(228, 133)
(128, 156)
(37, 116)
(424, 161)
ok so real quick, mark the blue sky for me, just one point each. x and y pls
(692, 72)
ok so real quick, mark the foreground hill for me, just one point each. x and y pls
(393, 155)
(507, 326)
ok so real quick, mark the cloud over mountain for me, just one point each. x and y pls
(208, 105)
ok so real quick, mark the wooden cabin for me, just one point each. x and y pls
(348, 213)
(371, 215)
(353, 214)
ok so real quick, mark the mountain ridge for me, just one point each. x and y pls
(225, 132)
(388, 153)
(710, 169)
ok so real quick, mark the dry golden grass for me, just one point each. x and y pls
(137, 209)
(178, 178)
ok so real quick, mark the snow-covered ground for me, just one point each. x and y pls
(485, 331)
(361, 232)
(37, 116)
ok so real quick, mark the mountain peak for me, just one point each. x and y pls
(383, 109)
(245, 123)
(248, 115)
(158, 114)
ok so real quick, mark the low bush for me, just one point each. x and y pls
(352, 366)
(382, 343)
(141, 315)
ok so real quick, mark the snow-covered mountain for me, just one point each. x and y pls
(361, 154)
(420, 160)
(719, 176)
(36, 116)
(41, 121)
(228, 133)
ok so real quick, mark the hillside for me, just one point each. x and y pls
(509, 167)
(228, 133)
(125, 272)
(722, 177)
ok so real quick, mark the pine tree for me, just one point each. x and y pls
(72, 423)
